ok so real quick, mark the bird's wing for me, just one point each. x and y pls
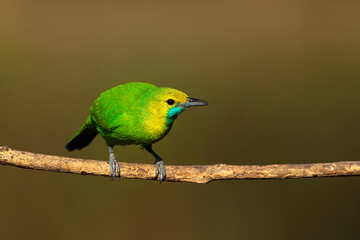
(119, 106)
(106, 116)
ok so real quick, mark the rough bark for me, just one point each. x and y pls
(194, 174)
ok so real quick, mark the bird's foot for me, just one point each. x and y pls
(114, 166)
(160, 170)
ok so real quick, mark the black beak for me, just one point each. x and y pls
(192, 102)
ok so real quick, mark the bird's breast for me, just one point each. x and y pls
(156, 128)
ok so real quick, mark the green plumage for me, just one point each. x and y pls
(132, 113)
(118, 113)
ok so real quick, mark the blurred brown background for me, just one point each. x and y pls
(282, 78)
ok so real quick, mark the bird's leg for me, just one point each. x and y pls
(159, 163)
(114, 165)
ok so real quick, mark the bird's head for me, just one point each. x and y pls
(169, 103)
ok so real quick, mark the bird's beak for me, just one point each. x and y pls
(192, 102)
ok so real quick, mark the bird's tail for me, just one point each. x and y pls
(83, 137)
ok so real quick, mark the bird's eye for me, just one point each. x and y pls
(170, 101)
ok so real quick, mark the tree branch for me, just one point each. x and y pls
(195, 173)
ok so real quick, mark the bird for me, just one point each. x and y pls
(134, 113)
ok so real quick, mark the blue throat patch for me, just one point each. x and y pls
(173, 113)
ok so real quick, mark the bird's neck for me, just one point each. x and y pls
(172, 114)
(157, 125)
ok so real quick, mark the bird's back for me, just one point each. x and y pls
(120, 107)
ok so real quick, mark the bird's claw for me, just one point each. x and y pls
(114, 166)
(160, 170)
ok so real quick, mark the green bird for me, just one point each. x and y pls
(133, 113)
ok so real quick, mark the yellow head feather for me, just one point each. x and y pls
(159, 105)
